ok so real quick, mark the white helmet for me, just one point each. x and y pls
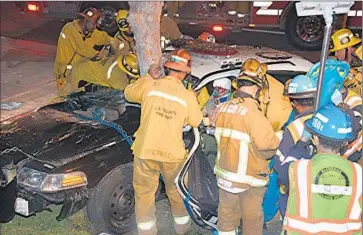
(223, 83)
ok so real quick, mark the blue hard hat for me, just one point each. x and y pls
(330, 122)
(301, 86)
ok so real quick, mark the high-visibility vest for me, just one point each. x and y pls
(353, 100)
(296, 129)
(325, 196)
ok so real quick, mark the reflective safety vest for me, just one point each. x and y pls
(296, 129)
(353, 100)
(325, 196)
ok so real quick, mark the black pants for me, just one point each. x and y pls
(7, 201)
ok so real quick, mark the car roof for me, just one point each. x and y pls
(204, 64)
(276, 60)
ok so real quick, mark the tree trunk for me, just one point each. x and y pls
(144, 19)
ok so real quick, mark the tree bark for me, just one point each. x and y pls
(144, 19)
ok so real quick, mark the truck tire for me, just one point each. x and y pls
(111, 204)
(305, 33)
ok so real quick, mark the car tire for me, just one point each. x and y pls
(296, 39)
(111, 205)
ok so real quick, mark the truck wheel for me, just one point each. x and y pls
(306, 32)
(111, 206)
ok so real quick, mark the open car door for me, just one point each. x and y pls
(197, 185)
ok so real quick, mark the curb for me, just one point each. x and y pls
(28, 46)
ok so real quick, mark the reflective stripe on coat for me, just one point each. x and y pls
(242, 131)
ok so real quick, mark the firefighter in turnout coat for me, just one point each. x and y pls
(348, 47)
(243, 134)
(166, 106)
(77, 40)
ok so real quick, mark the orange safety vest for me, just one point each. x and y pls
(314, 189)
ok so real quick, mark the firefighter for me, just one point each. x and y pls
(207, 37)
(77, 40)
(325, 195)
(169, 28)
(348, 48)
(352, 104)
(166, 106)
(115, 72)
(274, 105)
(301, 91)
(172, 9)
(241, 8)
(124, 37)
(243, 135)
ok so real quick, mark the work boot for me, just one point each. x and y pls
(182, 229)
(152, 231)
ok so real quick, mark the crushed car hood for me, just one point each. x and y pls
(208, 58)
(57, 137)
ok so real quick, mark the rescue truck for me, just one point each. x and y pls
(267, 17)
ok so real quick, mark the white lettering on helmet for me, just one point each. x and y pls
(322, 117)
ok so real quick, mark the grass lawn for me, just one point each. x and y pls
(45, 223)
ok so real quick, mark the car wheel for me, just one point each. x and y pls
(111, 206)
(306, 32)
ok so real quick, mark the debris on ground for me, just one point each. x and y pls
(10, 105)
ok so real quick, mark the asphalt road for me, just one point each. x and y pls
(28, 26)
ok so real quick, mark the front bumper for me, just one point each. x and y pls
(29, 202)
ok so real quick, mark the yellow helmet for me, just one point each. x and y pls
(254, 71)
(121, 19)
(256, 80)
(253, 67)
(129, 64)
(358, 52)
(342, 39)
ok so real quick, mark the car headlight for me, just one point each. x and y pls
(50, 182)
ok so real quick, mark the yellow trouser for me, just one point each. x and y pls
(145, 181)
(65, 87)
(246, 206)
(104, 72)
